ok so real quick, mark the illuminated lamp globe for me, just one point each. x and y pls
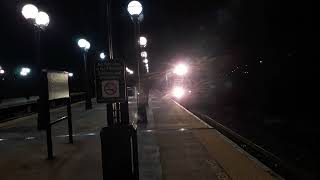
(134, 8)
(29, 11)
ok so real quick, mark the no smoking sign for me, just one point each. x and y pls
(110, 88)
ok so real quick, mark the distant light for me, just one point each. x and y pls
(102, 55)
(84, 44)
(25, 71)
(1, 70)
(42, 19)
(143, 41)
(180, 69)
(70, 74)
(129, 70)
(145, 61)
(1, 139)
(29, 11)
(190, 91)
(144, 54)
(178, 92)
(134, 8)
(30, 138)
(261, 61)
(182, 129)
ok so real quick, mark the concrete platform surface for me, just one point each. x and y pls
(173, 145)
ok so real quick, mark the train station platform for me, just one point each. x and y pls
(174, 144)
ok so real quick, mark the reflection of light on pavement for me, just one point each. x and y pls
(182, 129)
(60, 136)
(149, 130)
(30, 138)
(90, 134)
(2, 139)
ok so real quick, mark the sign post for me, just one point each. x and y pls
(54, 85)
(110, 81)
(119, 139)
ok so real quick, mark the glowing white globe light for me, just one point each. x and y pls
(29, 11)
(70, 74)
(134, 8)
(87, 47)
(143, 41)
(145, 61)
(144, 54)
(25, 71)
(42, 19)
(180, 69)
(178, 92)
(102, 55)
(82, 43)
(2, 71)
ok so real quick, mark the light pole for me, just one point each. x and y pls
(40, 20)
(135, 10)
(85, 46)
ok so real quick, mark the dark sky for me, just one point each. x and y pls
(175, 30)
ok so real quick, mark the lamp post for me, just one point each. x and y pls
(135, 11)
(40, 20)
(85, 46)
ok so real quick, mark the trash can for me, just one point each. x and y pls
(119, 151)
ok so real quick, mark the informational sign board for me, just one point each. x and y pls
(110, 81)
(57, 85)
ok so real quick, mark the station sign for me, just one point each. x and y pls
(58, 86)
(110, 81)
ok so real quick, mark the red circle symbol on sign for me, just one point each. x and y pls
(110, 88)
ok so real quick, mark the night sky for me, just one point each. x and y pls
(246, 30)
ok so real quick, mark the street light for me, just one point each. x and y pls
(102, 56)
(29, 11)
(144, 54)
(70, 74)
(145, 61)
(134, 8)
(143, 41)
(85, 46)
(25, 71)
(129, 70)
(42, 20)
(1, 70)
